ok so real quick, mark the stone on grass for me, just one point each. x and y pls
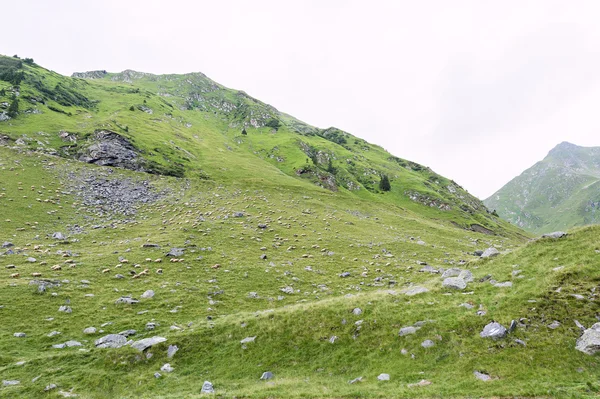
(146, 343)
(427, 343)
(172, 351)
(490, 252)
(267, 375)
(207, 387)
(167, 368)
(415, 290)
(50, 387)
(407, 330)
(90, 330)
(493, 330)
(354, 381)
(383, 377)
(148, 294)
(20, 334)
(589, 342)
(357, 311)
(453, 272)
(481, 376)
(175, 252)
(505, 284)
(8, 383)
(111, 341)
(455, 283)
(555, 234)
(554, 325)
(247, 340)
(466, 275)
(58, 236)
(126, 300)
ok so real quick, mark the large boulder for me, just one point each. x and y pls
(146, 343)
(493, 330)
(589, 342)
(490, 252)
(111, 341)
(455, 283)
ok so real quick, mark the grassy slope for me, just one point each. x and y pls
(292, 334)
(331, 232)
(203, 138)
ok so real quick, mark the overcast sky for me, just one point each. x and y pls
(477, 90)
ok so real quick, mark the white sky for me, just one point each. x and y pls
(477, 90)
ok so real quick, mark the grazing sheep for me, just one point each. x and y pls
(56, 267)
(36, 274)
(215, 266)
(15, 275)
(158, 260)
(159, 271)
(105, 270)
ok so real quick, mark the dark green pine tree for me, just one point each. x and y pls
(384, 183)
(13, 108)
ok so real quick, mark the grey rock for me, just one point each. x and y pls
(455, 283)
(50, 387)
(493, 330)
(65, 309)
(466, 275)
(554, 325)
(520, 342)
(490, 252)
(175, 252)
(126, 300)
(53, 333)
(383, 377)
(148, 245)
(167, 368)
(58, 236)
(482, 376)
(357, 311)
(111, 341)
(7, 244)
(411, 291)
(345, 274)
(146, 343)
(287, 290)
(589, 342)
(207, 387)
(68, 344)
(31, 260)
(20, 334)
(111, 149)
(267, 375)
(466, 305)
(172, 351)
(505, 284)
(90, 330)
(478, 253)
(453, 272)
(555, 234)
(407, 330)
(354, 381)
(247, 340)
(8, 383)
(427, 343)
(148, 294)
(513, 326)
(128, 333)
(157, 375)
(579, 325)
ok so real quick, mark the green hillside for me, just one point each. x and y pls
(138, 206)
(557, 193)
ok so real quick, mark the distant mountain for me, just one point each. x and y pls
(561, 191)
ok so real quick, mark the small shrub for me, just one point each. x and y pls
(384, 183)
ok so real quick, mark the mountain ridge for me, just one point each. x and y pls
(558, 192)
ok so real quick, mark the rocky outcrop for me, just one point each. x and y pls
(89, 75)
(111, 149)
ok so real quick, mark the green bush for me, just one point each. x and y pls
(384, 183)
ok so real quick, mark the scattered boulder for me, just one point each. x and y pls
(383, 377)
(148, 294)
(589, 342)
(146, 343)
(493, 330)
(59, 236)
(407, 331)
(111, 341)
(455, 283)
(490, 252)
(207, 387)
(167, 368)
(555, 234)
(482, 376)
(172, 351)
(8, 383)
(126, 300)
(175, 252)
(267, 375)
(90, 330)
(427, 343)
(20, 335)
(414, 290)
(247, 340)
